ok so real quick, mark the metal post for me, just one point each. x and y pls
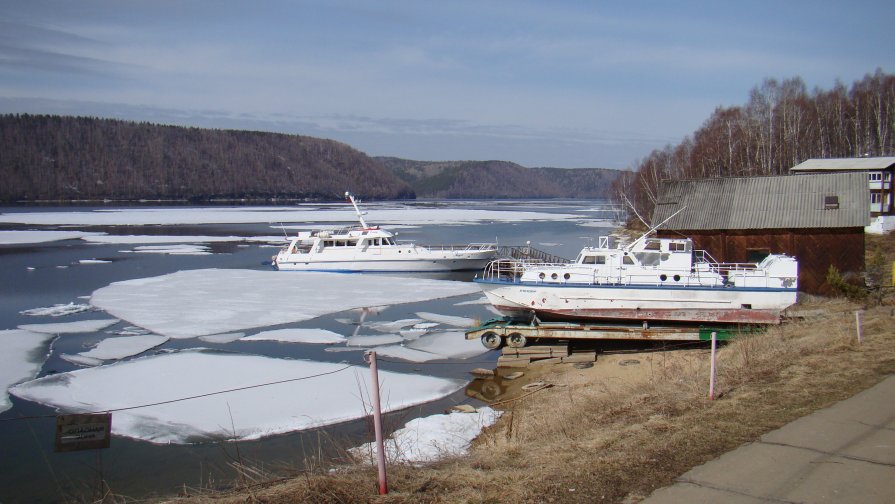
(712, 372)
(377, 423)
(858, 325)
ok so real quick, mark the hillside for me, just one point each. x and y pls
(499, 179)
(52, 158)
(75, 158)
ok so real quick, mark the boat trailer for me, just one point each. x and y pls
(515, 333)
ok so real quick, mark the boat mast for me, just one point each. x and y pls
(631, 245)
(360, 215)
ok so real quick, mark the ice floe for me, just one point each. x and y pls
(80, 360)
(58, 310)
(124, 346)
(435, 346)
(81, 326)
(448, 319)
(133, 239)
(243, 215)
(170, 249)
(393, 326)
(194, 303)
(93, 261)
(27, 237)
(374, 340)
(21, 359)
(297, 336)
(432, 438)
(222, 338)
(303, 395)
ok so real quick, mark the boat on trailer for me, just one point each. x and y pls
(366, 248)
(652, 279)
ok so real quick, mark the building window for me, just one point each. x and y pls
(874, 176)
(831, 202)
(876, 198)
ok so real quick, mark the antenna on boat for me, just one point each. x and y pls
(650, 230)
(360, 215)
(285, 234)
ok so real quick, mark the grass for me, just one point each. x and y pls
(592, 439)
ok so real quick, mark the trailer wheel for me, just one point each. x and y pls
(492, 341)
(516, 340)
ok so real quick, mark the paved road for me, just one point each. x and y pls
(842, 454)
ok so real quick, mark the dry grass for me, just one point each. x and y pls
(601, 435)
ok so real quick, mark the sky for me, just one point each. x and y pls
(564, 84)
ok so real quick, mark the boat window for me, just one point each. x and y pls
(327, 243)
(647, 258)
(594, 260)
(678, 247)
(627, 260)
(352, 243)
(387, 241)
(652, 245)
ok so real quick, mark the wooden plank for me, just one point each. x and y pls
(551, 360)
(504, 361)
(581, 357)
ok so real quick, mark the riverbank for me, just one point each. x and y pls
(631, 423)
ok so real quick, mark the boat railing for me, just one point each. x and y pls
(468, 247)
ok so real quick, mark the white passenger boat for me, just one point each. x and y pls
(366, 248)
(652, 279)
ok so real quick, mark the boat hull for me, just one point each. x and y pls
(409, 265)
(640, 303)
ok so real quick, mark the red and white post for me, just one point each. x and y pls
(377, 423)
(712, 371)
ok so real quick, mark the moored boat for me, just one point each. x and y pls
(366, 248)
(652, 279)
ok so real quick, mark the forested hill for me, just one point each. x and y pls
(52, 158)
(75, 158)
(499, 179)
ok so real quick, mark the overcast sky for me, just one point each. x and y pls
(552, 83)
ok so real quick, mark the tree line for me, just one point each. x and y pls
(781, 125)
(80, 158)
(500, 179)
(54, 158)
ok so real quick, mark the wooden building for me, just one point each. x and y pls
(819, 219)
(879, 172)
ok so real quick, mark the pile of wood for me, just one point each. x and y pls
(543, 354)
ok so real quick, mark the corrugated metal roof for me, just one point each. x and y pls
(839, 164)
(793, 201)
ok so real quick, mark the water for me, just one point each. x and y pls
(42, 275)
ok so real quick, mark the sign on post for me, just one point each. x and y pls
(83, 432)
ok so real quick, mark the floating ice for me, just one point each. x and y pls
(57, 310)
(194, 303)
(305, 395)
(222, 338)
(21, 359)
(408, 354)
(80, 360)
(26, 237)
(426, 325)
(170, 249)
(448, 319)
(374, 340)
(80, 326)
(131, 239)
(238, 215)
(394, 326)
(125, 346)
(93, 261)
(412, 334)
(431, 438)
(297, 336)
(450, 345)
(480, 301)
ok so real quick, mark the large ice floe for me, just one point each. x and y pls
(194, 303)
(27, 237)
(22, 357)
(143, 394)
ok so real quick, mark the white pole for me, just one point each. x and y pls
(377, 423)
(858, 325)
(712, 372)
